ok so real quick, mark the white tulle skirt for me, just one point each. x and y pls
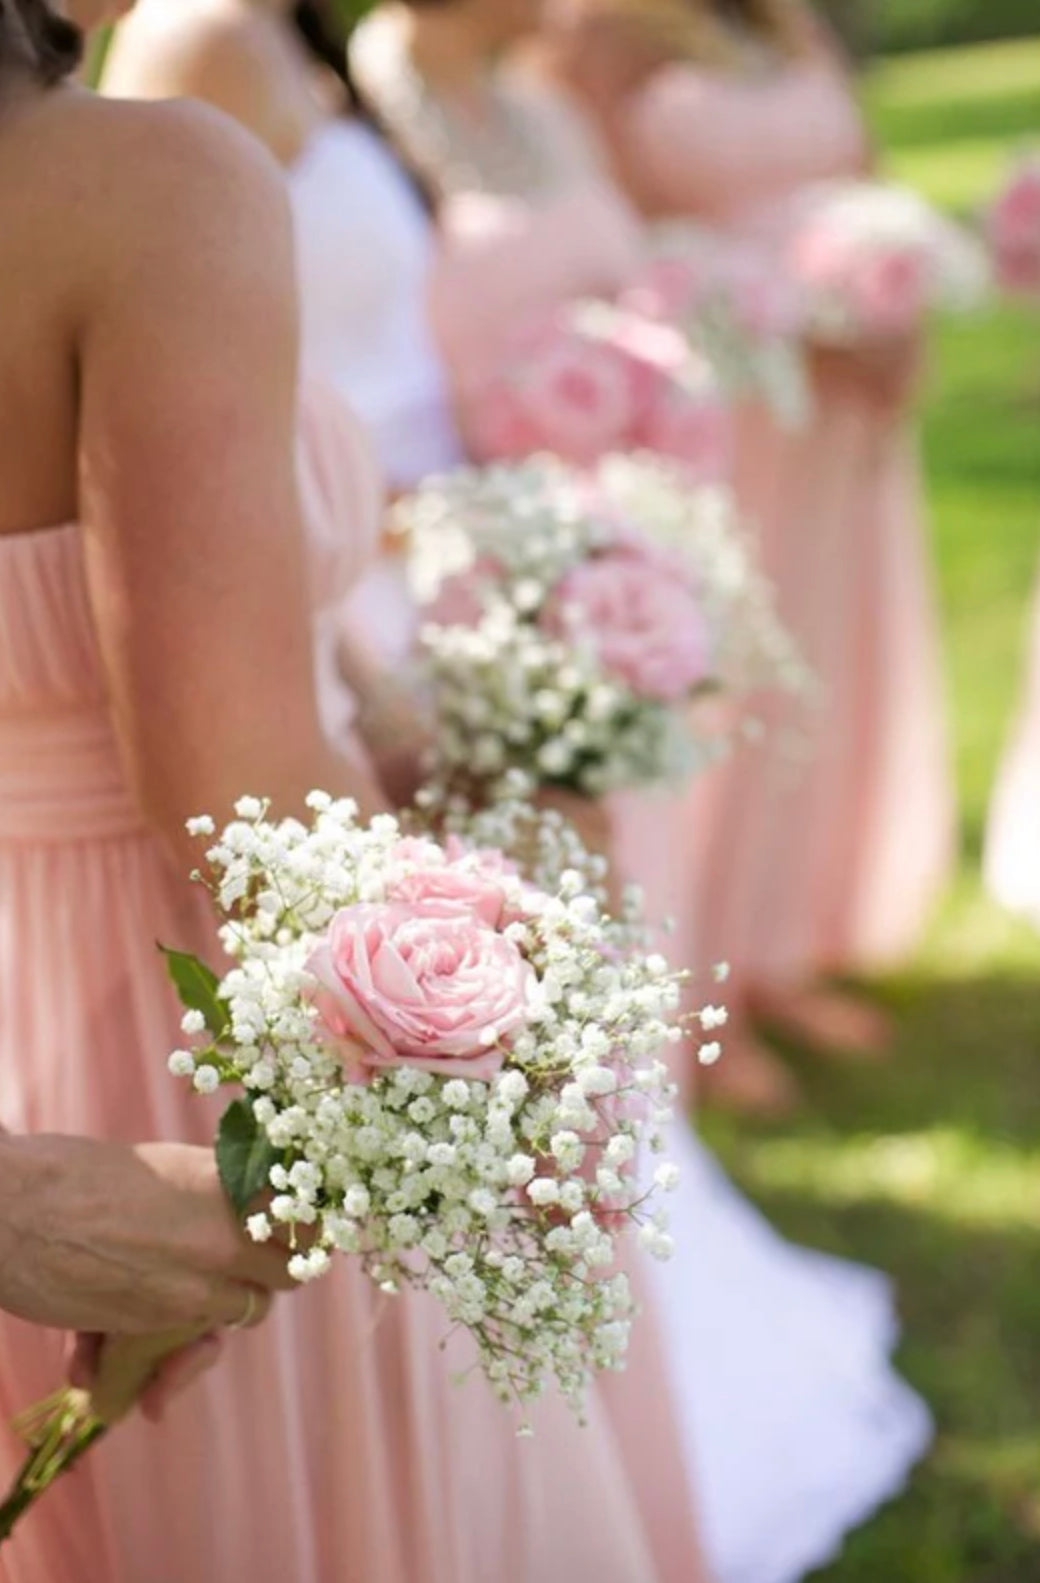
(1012, 858)
(796, 1427)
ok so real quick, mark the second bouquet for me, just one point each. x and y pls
(574, 622)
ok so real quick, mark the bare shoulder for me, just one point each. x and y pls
(134, 182)
(176, 48)
(223, 53)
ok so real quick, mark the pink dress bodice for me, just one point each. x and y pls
(718, 146)
(60, 774)
(330, 1443)
(504, 261)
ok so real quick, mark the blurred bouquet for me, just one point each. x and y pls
(590, 379)
(572, 620)
(448, 1073)
(727, 298)
(872, 260)
(1013, 230)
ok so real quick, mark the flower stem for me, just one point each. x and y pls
(59, 1433)
(61, 1429)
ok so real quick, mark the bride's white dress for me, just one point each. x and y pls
(796, 1426)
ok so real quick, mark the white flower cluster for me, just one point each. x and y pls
(868, 254)
(490, 547)
(742, 313)
(503, 1195)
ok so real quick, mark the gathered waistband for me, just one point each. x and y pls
(61, 779)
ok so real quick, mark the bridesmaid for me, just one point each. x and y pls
(778, 1355)
(829, 867)
(148, 534)
(364, 235)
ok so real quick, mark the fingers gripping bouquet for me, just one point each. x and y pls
(575, 621)
(873, 260)
(446, 1072)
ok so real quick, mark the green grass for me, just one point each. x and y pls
(929, 1165)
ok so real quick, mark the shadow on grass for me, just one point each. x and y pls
(928, 1166)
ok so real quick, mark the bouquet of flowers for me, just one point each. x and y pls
(728, 300)
(872, 259)
(572, 620)
(590, 379)
(446, 1073)
(1013, 230)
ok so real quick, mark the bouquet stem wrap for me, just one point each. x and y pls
(61, 1429)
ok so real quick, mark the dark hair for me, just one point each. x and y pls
(326, 40)
(33, 39)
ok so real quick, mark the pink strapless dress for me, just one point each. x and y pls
(830, 861)
(794, 1426)
(329, 1446)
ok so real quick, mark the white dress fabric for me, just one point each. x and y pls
(364, 249)
(1012, 857)
(795, 1425)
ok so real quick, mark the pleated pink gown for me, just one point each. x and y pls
(825, 853)
(328, 1446)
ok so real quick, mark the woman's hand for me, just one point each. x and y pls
(887, 371)
(125, 1240)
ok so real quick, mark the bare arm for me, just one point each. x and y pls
(195, 554)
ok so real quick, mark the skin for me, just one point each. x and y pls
(149, 304)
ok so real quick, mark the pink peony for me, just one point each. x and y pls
(1014, 231)
(691, 427)
(645, 624)
(565, 393)
(422, 985)
(890, 289)
(670, 289)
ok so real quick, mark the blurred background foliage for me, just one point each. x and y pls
(894, 25)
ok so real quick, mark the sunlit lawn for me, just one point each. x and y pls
(930, 1165)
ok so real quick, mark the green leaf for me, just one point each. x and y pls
(244, 1155)
(198, 986)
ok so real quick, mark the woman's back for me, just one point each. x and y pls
(47, 192)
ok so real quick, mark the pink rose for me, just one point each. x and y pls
(468, 884)
(419, 986)
(644, 624)
(485, 860)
